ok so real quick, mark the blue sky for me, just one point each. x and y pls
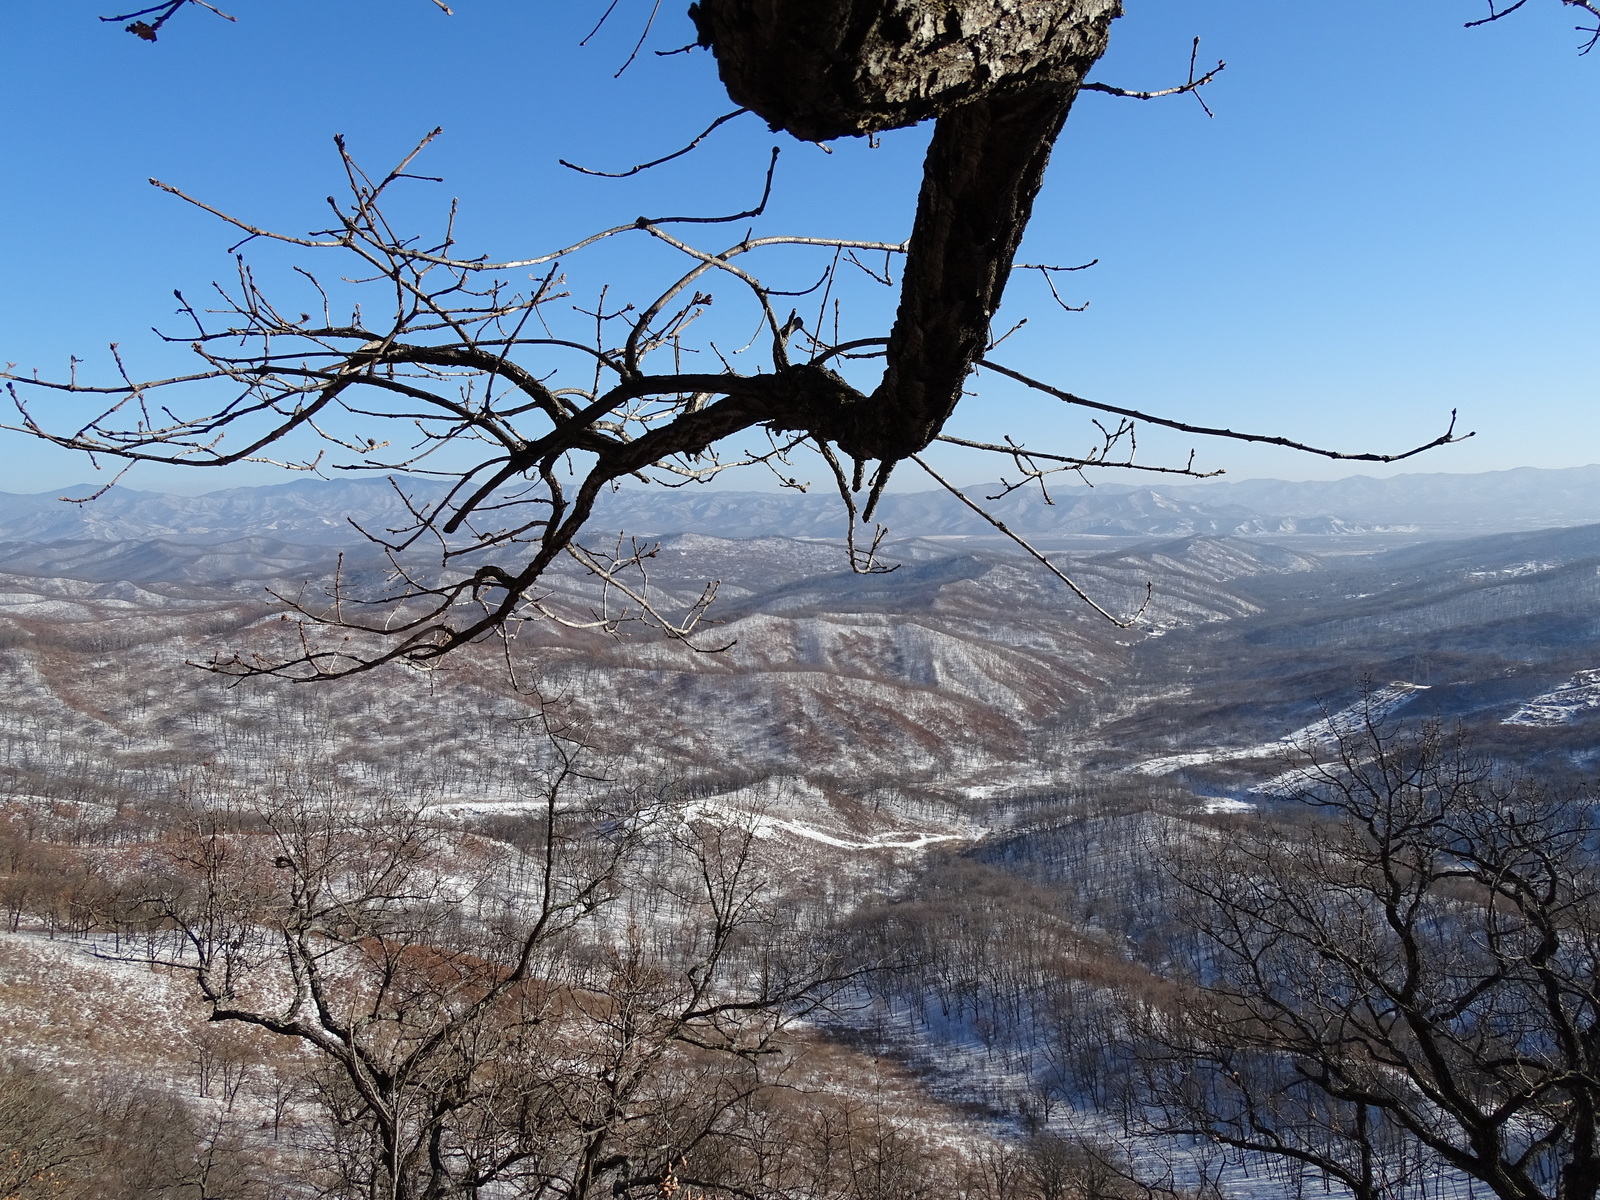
(1388, 217)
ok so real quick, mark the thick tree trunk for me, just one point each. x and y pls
(823, 69)
(984, 168)
(999, 76)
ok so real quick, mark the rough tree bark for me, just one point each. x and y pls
(1000, 77)
(824, 69)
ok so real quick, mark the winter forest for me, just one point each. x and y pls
(700, 665)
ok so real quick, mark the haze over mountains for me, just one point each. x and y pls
(314, 512)
(973, 661)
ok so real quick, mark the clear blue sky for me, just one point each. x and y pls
(1389, 216)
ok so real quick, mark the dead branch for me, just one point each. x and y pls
(1589, 6)
(1448, 437)
(665, 158)
(555, 417)
(1192, 86)
(509, 411)
(165, 11)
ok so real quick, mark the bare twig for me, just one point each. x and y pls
(1038, 556)
(1592, 7)
(1193, 85)
(1073, 462)
(1448, 437)
(665, 158)
(147, 30)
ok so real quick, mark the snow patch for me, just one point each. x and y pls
(1513, 572)
(1562, 706)
(765, 825)
(1223, 804)
(1326, 732)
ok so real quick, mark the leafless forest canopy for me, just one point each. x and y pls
(902, 894)
(1160, 848)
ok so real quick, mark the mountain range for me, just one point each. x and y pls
(960, 741)
(966, 664)
(321, 512)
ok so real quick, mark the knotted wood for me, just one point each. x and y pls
(824, 69)
(999, 77)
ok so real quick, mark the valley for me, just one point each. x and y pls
(954, 761)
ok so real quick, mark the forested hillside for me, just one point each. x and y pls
(866, 893)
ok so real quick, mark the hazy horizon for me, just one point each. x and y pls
(741, 482)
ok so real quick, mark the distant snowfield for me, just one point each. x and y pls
(1326, 732)
(763, 825)
(1222, 804)
(1562, 706)
(1514, 572)
(767, 810)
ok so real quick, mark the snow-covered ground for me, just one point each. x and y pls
(1514, 572)
(1222, 804)
(1578, 694)
(766, 825)
(778, 806)
(1328, 731)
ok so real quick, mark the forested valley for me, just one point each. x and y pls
(515, 810)
(926, 883)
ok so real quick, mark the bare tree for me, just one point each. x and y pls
(1406, 989)
(524, 408)
(567, 1018)
(48, 1141)
(66, 1138)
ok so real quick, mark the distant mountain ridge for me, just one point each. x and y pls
(1524, 498)
(320, 512)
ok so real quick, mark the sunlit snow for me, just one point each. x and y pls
(1326, 732)
(1578, 694)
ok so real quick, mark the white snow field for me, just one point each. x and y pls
(1562, 706)
(1326, 732)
